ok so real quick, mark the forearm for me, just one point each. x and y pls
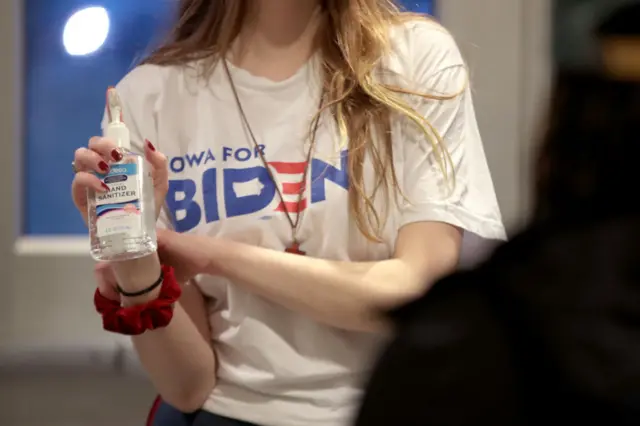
(347, 295)
(178, 358)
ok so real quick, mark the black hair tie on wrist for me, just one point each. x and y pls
(143, 291)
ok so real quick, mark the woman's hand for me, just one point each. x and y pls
(187, 253)
(98, 157)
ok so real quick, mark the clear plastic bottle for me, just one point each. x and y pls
(122, 222)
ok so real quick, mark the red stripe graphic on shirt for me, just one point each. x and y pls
(293, 207)
(289, 168)
(291, 190)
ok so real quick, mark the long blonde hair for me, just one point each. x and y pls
(353, 41)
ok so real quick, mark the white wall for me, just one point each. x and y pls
(46, 296)
(507, 44)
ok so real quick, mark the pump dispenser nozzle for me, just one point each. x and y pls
(114, 105)
(116, 129)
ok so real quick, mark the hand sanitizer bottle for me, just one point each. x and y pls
(122, 221)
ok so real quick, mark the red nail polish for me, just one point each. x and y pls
(116, 155)
(150, 145)
(103, 166)
(105, 187)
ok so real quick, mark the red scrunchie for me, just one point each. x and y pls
(135, 320)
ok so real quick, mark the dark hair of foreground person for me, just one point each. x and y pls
(547, 330)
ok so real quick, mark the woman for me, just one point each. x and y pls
(547, 331)
(255, 106)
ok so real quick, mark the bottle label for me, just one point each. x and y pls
(118, 211)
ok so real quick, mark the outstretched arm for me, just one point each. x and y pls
(348, 295)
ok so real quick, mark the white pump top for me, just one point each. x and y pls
(116, 130)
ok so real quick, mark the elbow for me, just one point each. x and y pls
(363, 318)
(186, 406)
(189, 403)
(373, 315)
(193, 400)
(391, 295)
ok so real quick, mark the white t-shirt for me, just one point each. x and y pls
(277, 367)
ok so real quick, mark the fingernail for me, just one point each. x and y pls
(116, 155)
(105, 187)
(103, 166)
(150, 145)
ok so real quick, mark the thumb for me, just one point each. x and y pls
(168, 246)
(166, 238)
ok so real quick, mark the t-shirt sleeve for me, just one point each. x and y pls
(464, 196)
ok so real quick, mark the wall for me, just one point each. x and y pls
(507, 44)
(45, 297)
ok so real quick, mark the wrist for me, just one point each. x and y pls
(137, 274)
(133, 316)
(221, 255)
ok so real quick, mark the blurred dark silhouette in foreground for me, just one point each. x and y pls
(547, 331)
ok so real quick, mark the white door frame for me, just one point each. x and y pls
(46, 298)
